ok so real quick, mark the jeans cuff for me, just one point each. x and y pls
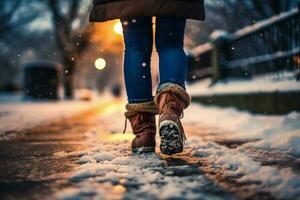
(137, 100)
(167, 84)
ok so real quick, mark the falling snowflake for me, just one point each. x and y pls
(125, 23)
(133, 21)
(144, 64)
(144, 76)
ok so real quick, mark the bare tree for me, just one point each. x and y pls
(14, 16)
(11, 17)
(72, 33)
(7, 11)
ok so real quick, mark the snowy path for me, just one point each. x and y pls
(211, 167)
(89, 158)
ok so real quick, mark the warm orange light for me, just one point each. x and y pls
(106, 38)
(118, 28)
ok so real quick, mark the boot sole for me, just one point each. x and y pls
(171, 138)
(143, 150)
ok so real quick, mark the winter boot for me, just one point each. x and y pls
(172, 99)
(142, 120)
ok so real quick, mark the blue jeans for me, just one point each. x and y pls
(138, 40)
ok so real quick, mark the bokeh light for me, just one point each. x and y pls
(100, 63)
(118, 28)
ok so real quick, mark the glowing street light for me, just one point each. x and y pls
(118, 28)
(100, 64)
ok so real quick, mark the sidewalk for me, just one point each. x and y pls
(87, 157)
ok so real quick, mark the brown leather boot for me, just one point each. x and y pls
(172, 99)
(142, 120)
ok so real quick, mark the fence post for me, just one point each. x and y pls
(219, 40)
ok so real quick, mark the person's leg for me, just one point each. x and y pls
(169, 44)
(138, 47)
(171, 95)
(141, 108)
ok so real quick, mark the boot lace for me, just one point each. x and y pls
(137, 119)
(125, 126)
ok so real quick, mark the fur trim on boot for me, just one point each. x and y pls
(142, 120)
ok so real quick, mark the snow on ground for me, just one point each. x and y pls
(9, 97)
(264, 84)
(284, 183)
(275, 132)
(287, 142)
(18, 115)
(109, 171)
(21, 116)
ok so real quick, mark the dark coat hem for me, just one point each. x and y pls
(147, 8)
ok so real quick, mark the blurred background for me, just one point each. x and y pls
(61, 125)
(55, 35)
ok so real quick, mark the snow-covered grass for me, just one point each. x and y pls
(274, 132)
(266, 84)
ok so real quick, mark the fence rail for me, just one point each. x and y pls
(272, 45)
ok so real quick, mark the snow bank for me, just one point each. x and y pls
(284, 183)
(289, 142)
(275, 132)
(19, 116)
(245, 86)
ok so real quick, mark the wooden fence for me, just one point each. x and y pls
(269, 46)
